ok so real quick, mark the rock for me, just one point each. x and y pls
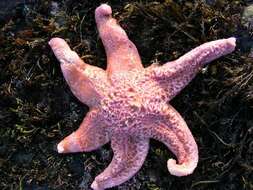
(8, 7)
(247, 17)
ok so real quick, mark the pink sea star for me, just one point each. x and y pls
(128, 103)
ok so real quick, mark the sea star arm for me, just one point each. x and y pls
(174, 76)
(89, 136)
(86, 81)
(122, 55)
(129, 155)
(170, 128)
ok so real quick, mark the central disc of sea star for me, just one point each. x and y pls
(128, 103)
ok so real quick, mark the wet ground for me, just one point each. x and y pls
(37, 108)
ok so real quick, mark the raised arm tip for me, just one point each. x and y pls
(55, 41)
(232, 41)
(103, 10)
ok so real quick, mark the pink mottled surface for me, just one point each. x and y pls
(128, 103)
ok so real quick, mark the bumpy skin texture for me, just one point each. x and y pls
(128, 103)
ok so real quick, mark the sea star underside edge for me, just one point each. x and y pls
(128, 103)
